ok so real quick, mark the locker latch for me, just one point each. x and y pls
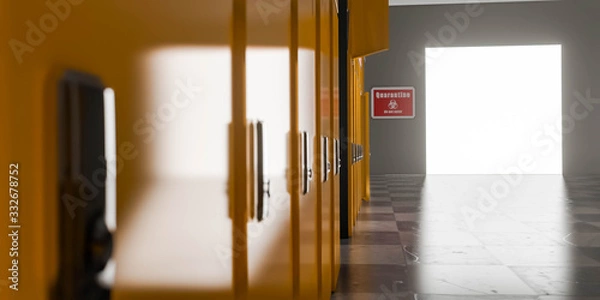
(85, 240)
(261, 181)
(325, 156)
(337, 160)
(307, 172)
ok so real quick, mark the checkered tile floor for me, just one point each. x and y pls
(461, 237)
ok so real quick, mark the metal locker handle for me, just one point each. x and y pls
(326, 164)
(335, 156)
(86, 242)
(263, 183)
(359, 152)
(307, 172)
(339, 157)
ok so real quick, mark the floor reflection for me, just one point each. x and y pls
(475, 237)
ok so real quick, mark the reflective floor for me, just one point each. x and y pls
(475, 237)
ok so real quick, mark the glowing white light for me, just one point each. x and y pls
(494, 110)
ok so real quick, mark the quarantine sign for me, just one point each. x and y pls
(393, 103)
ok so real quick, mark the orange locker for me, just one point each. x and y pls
(368, 33)
(308, 242)
(354, 140)
(324, 144)
(268, 113)
(366, 151)
(214, 127)
(337, 146)
(369, 27)
(169, 65)
(358, 140)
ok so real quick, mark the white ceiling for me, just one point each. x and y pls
(431, 2)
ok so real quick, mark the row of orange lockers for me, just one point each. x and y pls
(222, 156)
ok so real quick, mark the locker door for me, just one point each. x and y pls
(268, 111)
(355, 108)
(171, 69)
(352, 147)
(366, 117)
(337, 159)
(307, 205)
(323, 118)
(176, 237)
(357, 138)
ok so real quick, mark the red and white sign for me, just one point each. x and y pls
(393, 103)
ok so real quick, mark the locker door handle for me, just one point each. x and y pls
(362, 152)
(326, 164)
(86, 242)
(334, 156)
(307, 172)
(339, 155)
(359, 148)
(261, 177)
(359, 152)
(337, 158)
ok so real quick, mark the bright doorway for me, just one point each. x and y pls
(494, 110)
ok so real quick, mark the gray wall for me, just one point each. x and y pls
(398, 146)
